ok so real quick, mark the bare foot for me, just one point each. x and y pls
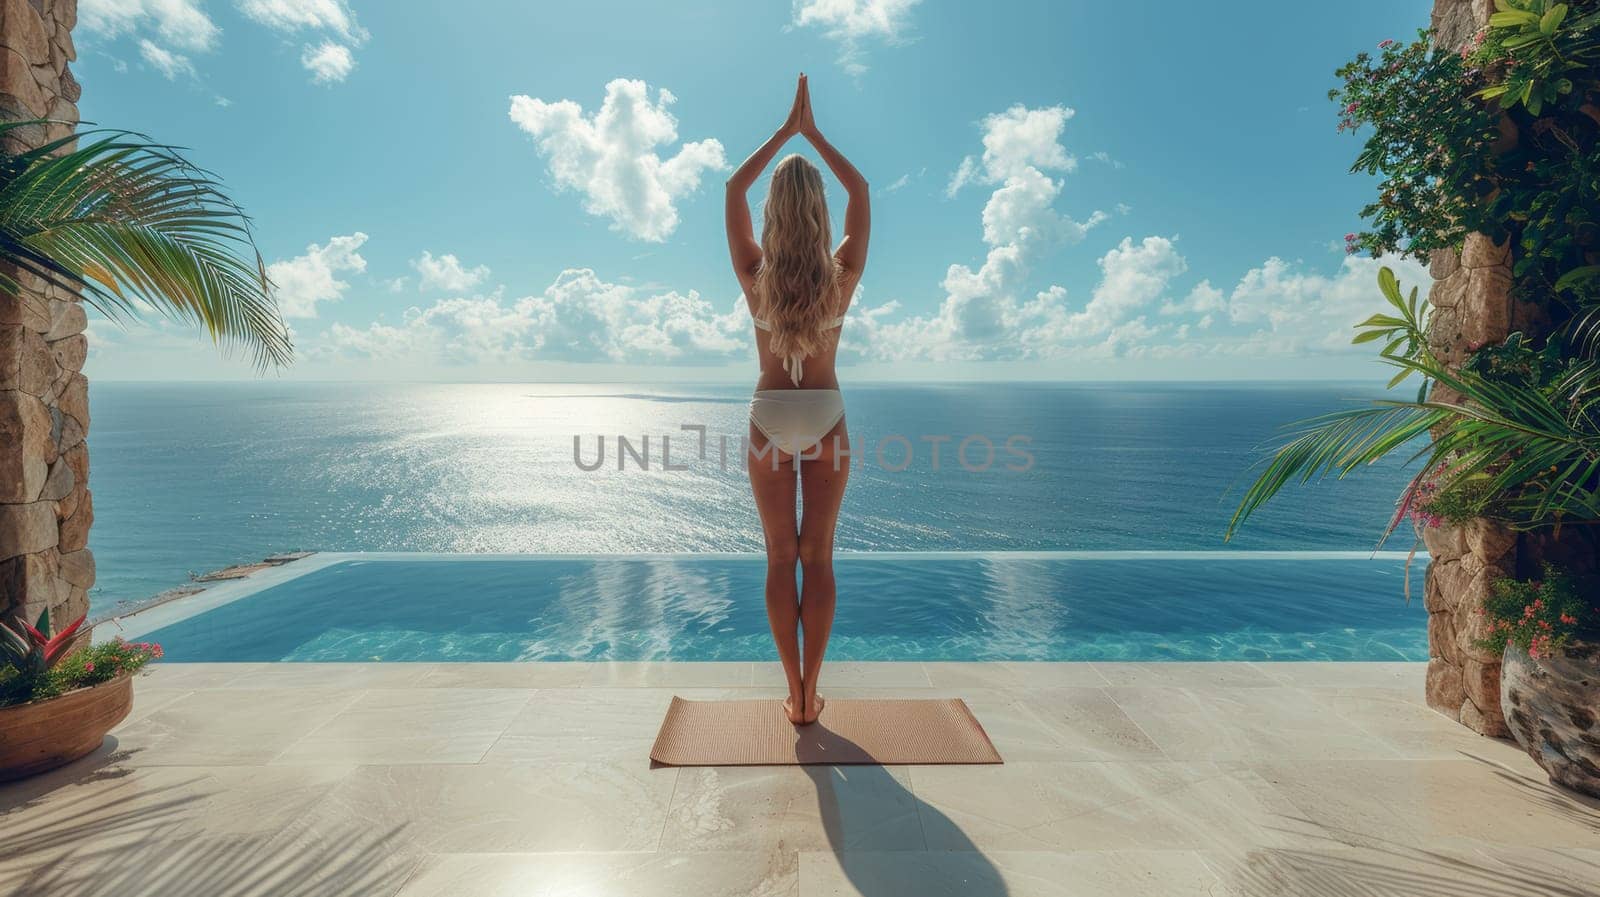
(794, 715)
(814, 708)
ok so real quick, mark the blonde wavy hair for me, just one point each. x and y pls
(797, 286)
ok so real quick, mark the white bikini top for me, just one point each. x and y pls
(794, 365)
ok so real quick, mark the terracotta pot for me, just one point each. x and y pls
(42, 735)
(1553, 708)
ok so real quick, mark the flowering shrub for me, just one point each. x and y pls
(1427, 138)
(1538, 616)
(83, 668)
(1500, 135)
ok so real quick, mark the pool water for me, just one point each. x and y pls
(939, 606)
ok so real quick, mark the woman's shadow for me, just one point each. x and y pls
(950, 864)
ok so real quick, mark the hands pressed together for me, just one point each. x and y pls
(800, 120)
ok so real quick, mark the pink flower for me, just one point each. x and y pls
(1351, 108)
(1386, 44)
(1349, 238)
(88, 666)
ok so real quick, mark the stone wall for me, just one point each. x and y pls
(45, 506)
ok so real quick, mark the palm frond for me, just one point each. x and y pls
(1537, 451)
(128, 222)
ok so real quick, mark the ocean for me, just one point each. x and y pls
(191, 477)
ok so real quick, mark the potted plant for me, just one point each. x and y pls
(1549, 634)
(56, 703)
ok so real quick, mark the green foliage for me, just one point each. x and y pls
(1403, 334)
(1524, 450)
(83, 668)
(15, 685)
(1460, 500)
(1538, 616)
(1540, 55)
(1500, 136)
(1518, 361)
(1424, 132)
(126, 221)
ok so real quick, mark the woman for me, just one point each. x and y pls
(798, 292)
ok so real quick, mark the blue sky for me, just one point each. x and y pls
(499, 190)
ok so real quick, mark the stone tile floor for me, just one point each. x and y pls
(533, 779)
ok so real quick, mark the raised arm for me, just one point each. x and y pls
(852, 251)
(743, 249)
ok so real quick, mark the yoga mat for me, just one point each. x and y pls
(757, 733)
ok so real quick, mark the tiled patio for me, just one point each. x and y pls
(533, 779)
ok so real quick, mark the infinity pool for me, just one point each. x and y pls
(992, 606)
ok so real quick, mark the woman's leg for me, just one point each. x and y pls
(822, 481)
(772, 481)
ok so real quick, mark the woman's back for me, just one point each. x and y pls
(812, 371)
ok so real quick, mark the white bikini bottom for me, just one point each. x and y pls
(795, 420)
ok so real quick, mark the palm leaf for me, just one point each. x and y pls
(127, 222)
(1536, 451)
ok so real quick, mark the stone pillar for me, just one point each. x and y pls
(1472, 307)
(45, 506)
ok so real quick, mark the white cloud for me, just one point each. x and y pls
(170, 31)
(1132, 277)
(179, 24)
(611, 156)
(312, 15)
(306, 280)
(445, 272)
(984, 314)
(1016, 142)
(1302, 309)
(852, 22)
(1022, 210)
(1105, 157)
(579, 317)
(169, 64)
(328, 62)
(983, 319)
(962, 176)
(1203, 300)
(1137, 308)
